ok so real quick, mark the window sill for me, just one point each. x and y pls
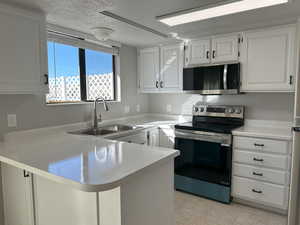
(78, 103)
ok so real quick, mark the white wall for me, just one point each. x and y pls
(265, 106)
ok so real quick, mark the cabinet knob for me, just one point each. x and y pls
(214, 54)
(291, 80)
(258, 145)
(207, 54)
(156, 84)
(257, 191)
(161, 84)
(25, 173)
(46, 79)
(257, 174)
(258, 160)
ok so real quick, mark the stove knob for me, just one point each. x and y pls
(238, 111)
(196, 109)
(230, 110)
(202, 109)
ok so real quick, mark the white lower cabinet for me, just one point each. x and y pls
(261, 192)
(166, 137)
(262, 174)
(59, 204)
(153, 136)
(17, 196)
(261, 171)
(145, 137)
(139, 138)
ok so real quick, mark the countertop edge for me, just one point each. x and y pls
(262, 135)
(87, 187)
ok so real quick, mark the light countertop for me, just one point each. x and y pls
(96, 164)
(266, 129)
(87, 163)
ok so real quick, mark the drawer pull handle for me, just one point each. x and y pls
(258, 145)
(256, 191)
(25, 173)
(257, 174)
(258, 160)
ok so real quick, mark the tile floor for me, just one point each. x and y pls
(193, 210)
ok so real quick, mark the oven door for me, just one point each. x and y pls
(204, 157)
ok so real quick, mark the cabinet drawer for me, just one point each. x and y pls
(261, 159)
(262, 174)
(260, 144)
(260, 192)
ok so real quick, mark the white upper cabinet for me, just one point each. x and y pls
(149, 69)
(212, 50)
(197, 52)
(160, 69)
(268, 59)
(224, 49)
(23, 55)
(171, 61)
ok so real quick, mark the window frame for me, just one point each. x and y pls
(83, 76)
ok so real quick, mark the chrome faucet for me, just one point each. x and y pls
(96, 119)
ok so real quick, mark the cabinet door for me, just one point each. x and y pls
(22, 55)
(153, 137)
(268, 60)
(149, 69)
(224, 48)
(59, 204)
(17, 196)
(140, 138)
(166, 137)
(171, 68)
(197, 52)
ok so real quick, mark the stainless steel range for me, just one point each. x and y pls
(205, 144)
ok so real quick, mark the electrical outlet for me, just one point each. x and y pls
(11, 120)
(169, 108)
(127, 109)
(138, 108)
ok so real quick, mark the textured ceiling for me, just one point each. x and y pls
(83, 15)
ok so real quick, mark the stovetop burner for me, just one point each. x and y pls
(212, 118)
(208, 127)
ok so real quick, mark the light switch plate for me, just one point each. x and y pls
(127, 109)
(11, 120)
(138, 108)
(169, 108)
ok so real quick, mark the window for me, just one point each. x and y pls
(78, 74)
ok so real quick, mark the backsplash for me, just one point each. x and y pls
(261, 106)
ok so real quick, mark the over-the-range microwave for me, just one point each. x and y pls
(212, 80)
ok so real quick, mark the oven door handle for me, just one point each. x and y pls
(224, 141)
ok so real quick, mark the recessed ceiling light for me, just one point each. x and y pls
(193, 15)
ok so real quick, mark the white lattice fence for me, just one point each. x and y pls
(67, 89)
(100, 86)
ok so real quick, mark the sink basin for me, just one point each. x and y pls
(109, 129)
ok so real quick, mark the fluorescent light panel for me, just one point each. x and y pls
(216, 11)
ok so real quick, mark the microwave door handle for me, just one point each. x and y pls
(225, 76)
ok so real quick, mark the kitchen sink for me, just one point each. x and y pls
(109, 129)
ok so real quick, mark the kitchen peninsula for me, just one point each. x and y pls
(62, 178)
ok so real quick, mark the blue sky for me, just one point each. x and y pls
(63, 60)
